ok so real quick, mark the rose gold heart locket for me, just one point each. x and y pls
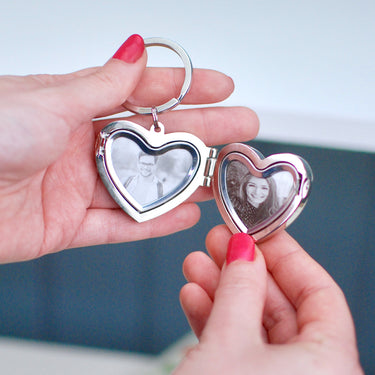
(148, 172)
(258, 195)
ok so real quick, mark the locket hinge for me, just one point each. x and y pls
(210, 167)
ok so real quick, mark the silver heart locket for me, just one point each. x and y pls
(149, 172)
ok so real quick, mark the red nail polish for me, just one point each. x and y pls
(131, 50)
(240, 247)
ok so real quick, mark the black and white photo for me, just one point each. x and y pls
(150, 175)
(255, 199)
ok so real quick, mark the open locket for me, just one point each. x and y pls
(149, 172)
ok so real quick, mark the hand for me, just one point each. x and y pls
(293, 319)
(50, 195)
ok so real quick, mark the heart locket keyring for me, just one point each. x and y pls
(149, 172)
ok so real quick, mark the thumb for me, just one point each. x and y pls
(236, 316)
(109, 86)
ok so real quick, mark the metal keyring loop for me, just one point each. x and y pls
(162, 42)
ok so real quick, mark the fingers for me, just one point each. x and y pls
(156, 85)
(320, 304)
(14, 84)
(279, 316)
(196, 297)
(236, 315)
(200, 269)
(300, 284)
(159, 85)
(196, 305)
(113, 226)
(213, 125)
(217, 241)
(105, 89)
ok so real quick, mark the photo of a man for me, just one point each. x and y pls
(150, 176)
(145, 187)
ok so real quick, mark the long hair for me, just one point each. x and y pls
(270, 205)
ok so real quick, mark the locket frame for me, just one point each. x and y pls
(157, 140)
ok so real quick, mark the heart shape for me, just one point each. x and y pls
(258, 195)
(148, 172)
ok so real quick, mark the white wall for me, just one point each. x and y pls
(306, 67)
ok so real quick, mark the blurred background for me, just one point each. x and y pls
(306, 68)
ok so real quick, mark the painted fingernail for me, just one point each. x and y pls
(131, 50)
(240, 247)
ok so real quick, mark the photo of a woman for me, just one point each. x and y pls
(253, 198)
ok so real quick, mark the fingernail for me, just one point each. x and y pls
(240, 247)
(131, 50)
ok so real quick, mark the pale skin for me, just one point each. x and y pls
(51, 197)
(280, 314)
